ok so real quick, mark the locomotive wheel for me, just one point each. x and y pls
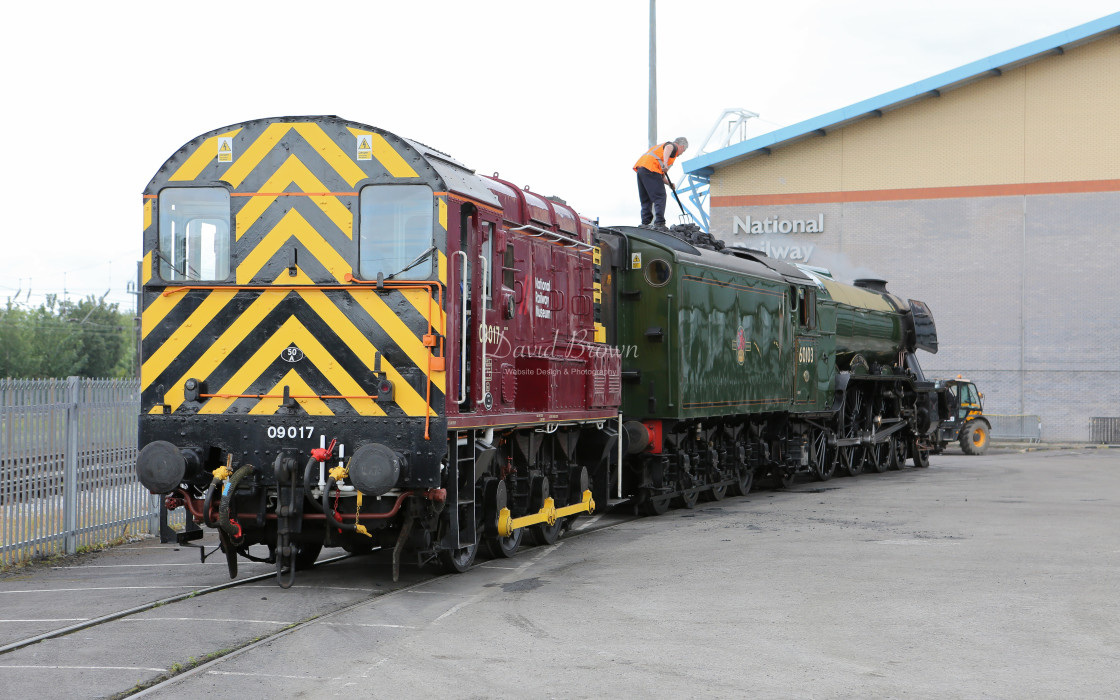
(851, 460)
(505, 547)
(822, 459)
(879, 456)
(656, 505)
(744, 479)
(920, 455)
(456, 561)
(686, 499)
(852, 456)
(716, 493)
(974, 438)
(788, 479)
(545, 533)
(897, 453)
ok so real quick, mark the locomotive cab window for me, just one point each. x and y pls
(808, 311)
(488, 255)
(194, 234)
(508, 267)
(395, 232)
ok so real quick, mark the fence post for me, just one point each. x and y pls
(70, 469)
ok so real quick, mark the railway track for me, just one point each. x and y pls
(371, 593)
(103, 619)
(527, 555)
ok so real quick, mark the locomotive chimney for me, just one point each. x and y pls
(875, 285)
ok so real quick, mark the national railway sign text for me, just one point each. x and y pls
(777, 224)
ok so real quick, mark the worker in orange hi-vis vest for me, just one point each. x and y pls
(653, 175)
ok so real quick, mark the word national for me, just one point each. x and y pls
(778, 225)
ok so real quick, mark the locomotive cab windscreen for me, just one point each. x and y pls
(395, 232)
(194, 234)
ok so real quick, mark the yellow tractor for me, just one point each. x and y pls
(965, 421)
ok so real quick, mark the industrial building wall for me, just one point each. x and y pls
(997, 203)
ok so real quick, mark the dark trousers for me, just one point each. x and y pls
(651, 190)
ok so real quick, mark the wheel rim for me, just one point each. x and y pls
(878, 455)
(460, 559)
(852, 456)
(824, 465)
(920, 455)
(547, 534)
(744, 479)
(505, 547)
(979, 437)
(655, 505)
(898, 453)
(717, 493)
(687, 499)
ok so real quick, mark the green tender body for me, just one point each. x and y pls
(726, 336)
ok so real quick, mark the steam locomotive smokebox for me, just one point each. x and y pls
(551, 383)
(374, 469)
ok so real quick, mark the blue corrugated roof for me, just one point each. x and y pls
(992, 65)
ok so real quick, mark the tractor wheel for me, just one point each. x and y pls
(974, 438)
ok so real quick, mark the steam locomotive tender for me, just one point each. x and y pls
(352, 340)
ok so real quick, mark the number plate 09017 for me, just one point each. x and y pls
(277, 432)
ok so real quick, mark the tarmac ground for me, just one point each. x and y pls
(980, 577)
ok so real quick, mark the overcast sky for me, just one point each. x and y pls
(550, 95)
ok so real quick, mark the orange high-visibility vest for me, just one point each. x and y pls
(651, 160)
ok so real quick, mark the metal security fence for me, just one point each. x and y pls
(1016, 428)
(1104, 430)
(67, 461)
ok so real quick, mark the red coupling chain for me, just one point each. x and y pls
(323, 454)
(172, 502)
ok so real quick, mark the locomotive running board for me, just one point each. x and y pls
(549, 513)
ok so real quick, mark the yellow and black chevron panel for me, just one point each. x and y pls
(272, 302)
(329, 349)
(294, 189)
(271, 310)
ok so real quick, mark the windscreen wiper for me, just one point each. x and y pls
(419, 259)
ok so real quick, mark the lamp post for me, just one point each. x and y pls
(652, 73)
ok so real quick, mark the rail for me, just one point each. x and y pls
(1016, 427)
(67, 466)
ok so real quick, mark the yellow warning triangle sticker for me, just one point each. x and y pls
(365, 143)
(224, 146)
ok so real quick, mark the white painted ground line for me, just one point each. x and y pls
(91, 668)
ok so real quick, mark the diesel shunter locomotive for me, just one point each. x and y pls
(352, 340)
